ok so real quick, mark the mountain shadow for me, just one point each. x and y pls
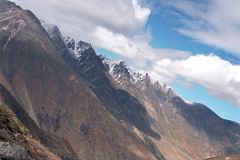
(90, 68)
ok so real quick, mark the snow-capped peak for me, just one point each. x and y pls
(121, 74)
(168, 90)
(188, 102)
(83, 46)
(76, 49)
(113, 65)
(51, 29)
(116, 68)
(70, 42)
(119, 70)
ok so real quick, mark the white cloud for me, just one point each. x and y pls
(140, 13)
(123, 16)
(136, 47)
(212, 22)
(220, 77)
(116, 42)
(110, 24)
(116, 25)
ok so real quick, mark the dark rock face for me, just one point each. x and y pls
(216, 128)
(203, 118)
(91, 69)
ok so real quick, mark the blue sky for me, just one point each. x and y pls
(199, 94)
(184, 43)
(163, 26)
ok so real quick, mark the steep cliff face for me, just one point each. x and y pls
(54, 96)
(84, 61)
(188, 130)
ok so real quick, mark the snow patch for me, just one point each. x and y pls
(188, 102)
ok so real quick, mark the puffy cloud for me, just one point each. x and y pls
(116, 25)
(212, 22)
(136, 47)
(219, 76)
(121, 16)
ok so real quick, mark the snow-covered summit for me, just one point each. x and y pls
(114, 67)
(120, 72)
(70, 42)
(124, 75)
(83, 46)
(76, 49)
(117, 69)
(51, 29)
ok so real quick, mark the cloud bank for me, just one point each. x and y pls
(107, 24)
(212, 22)
(116, 25)
(221, 78)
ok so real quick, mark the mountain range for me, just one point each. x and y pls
(59, 99)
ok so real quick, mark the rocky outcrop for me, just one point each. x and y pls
(230, 157)
(19, 123)
(16, 142)
(12, 151)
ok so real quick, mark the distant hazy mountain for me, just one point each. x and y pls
(80, 105)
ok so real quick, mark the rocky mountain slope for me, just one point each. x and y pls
(63, 101)
(82, 58)
(187, 130)
(28, 130)
(231, 157)
(55, 97)
(18, 142)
